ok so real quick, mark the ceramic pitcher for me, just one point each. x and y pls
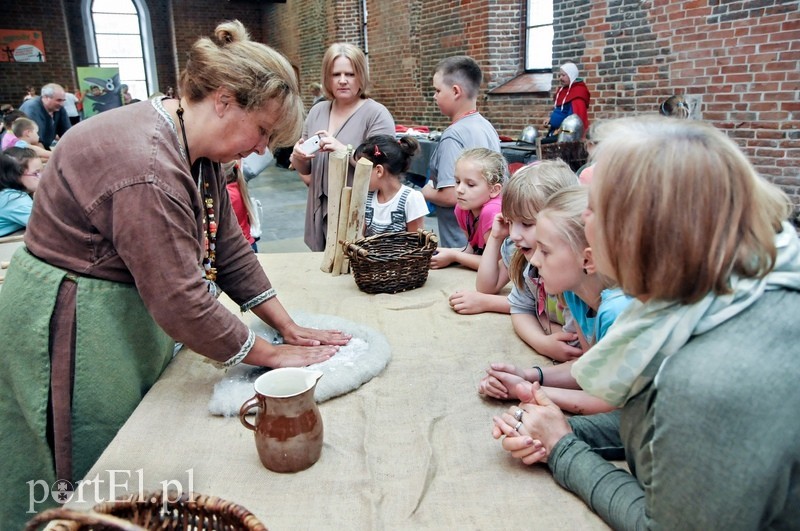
(288, 426)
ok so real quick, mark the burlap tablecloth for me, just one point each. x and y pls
(411, 449)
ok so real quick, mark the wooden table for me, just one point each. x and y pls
(410, 449)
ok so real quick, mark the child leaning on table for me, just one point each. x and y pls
(391, 205)
(27, 133)
(523, 196)
(565, 264)
(480, 173)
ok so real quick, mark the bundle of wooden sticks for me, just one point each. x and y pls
(346, 207)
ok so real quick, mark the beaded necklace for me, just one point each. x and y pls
(209, 221)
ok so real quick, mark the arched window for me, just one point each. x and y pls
(118, 33)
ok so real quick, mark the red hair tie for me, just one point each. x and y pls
(377, 151)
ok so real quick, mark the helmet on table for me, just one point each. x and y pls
(529, 135)
(571, 129)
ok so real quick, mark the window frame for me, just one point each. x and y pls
(530, 24)
(145, 32)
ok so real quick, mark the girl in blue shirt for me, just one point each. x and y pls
(566, 267)
(20, 171)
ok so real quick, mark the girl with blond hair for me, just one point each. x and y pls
(566, 267)
(510, 244)
(702, 363)
(480, 174)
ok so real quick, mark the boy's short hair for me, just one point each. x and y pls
(21, 125)
(462, 71)
(679, 209)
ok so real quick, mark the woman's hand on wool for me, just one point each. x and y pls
(264, 354)
(294, 334)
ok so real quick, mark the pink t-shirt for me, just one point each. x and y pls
(476, 228)
(8, 140)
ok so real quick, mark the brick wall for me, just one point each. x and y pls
(50, 19)
(303, 29)
(739, 62)
(193, 19)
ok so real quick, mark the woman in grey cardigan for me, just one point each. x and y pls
(703, 366)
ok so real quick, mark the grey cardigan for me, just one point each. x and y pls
(713, 443)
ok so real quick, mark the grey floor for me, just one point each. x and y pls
(283, 199)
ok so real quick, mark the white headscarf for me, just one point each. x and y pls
(571, 70)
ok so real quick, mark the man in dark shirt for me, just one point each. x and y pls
(47, 111)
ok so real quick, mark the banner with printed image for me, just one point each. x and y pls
(101, 88)
(21, 46)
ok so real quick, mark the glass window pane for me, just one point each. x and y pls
(116, 23)
(539, 48)
(137, 89)
(118, 45)
(130, 69)
(540, 12)
(113, 6)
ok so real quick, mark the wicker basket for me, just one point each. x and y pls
(391, 262)
(186, 512)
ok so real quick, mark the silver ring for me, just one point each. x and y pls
(518, 414)
(518, 426)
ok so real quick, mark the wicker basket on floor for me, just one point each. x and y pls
(391, 262)
(186, 512)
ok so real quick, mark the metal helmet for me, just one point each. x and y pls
(529, 135)
(571, 129)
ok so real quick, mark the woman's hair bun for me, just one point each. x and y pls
(231, 31)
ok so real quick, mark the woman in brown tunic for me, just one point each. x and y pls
(131, 237)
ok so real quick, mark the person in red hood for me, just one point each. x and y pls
(572, 97)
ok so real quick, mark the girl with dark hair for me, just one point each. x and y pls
(16, 185)
(391, 205)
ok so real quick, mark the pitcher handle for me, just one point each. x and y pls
(245, 409)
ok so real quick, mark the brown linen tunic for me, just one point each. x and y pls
(117, 205)
(117, 202)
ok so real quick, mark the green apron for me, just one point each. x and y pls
(119, 354)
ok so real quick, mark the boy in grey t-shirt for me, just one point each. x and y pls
(456, 81)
